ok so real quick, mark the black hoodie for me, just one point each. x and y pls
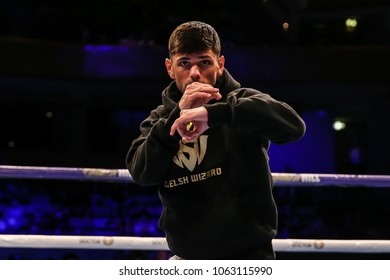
(216, 192)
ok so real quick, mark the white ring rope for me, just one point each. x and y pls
(123, 175)
(159, 243)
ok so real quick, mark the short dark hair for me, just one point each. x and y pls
(194, 36)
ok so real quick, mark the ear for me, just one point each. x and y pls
(168, 65)
(221, 64)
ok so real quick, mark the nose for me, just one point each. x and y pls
(194, 73)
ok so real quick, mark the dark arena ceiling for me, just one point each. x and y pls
(241, 23)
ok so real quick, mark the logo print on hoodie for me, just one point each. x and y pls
(188, 156)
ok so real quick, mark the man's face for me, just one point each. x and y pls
(204, 67)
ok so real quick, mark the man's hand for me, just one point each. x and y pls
(191, 123)
(197, 94)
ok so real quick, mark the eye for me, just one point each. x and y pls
(184, 63)
(205, 63)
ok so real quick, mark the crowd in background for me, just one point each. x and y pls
(116, 209)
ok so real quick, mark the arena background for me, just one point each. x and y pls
(77, 77)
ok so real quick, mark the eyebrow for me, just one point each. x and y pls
(198, 57)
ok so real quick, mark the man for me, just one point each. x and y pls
(206, 149)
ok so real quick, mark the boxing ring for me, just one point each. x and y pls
(159, 243)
